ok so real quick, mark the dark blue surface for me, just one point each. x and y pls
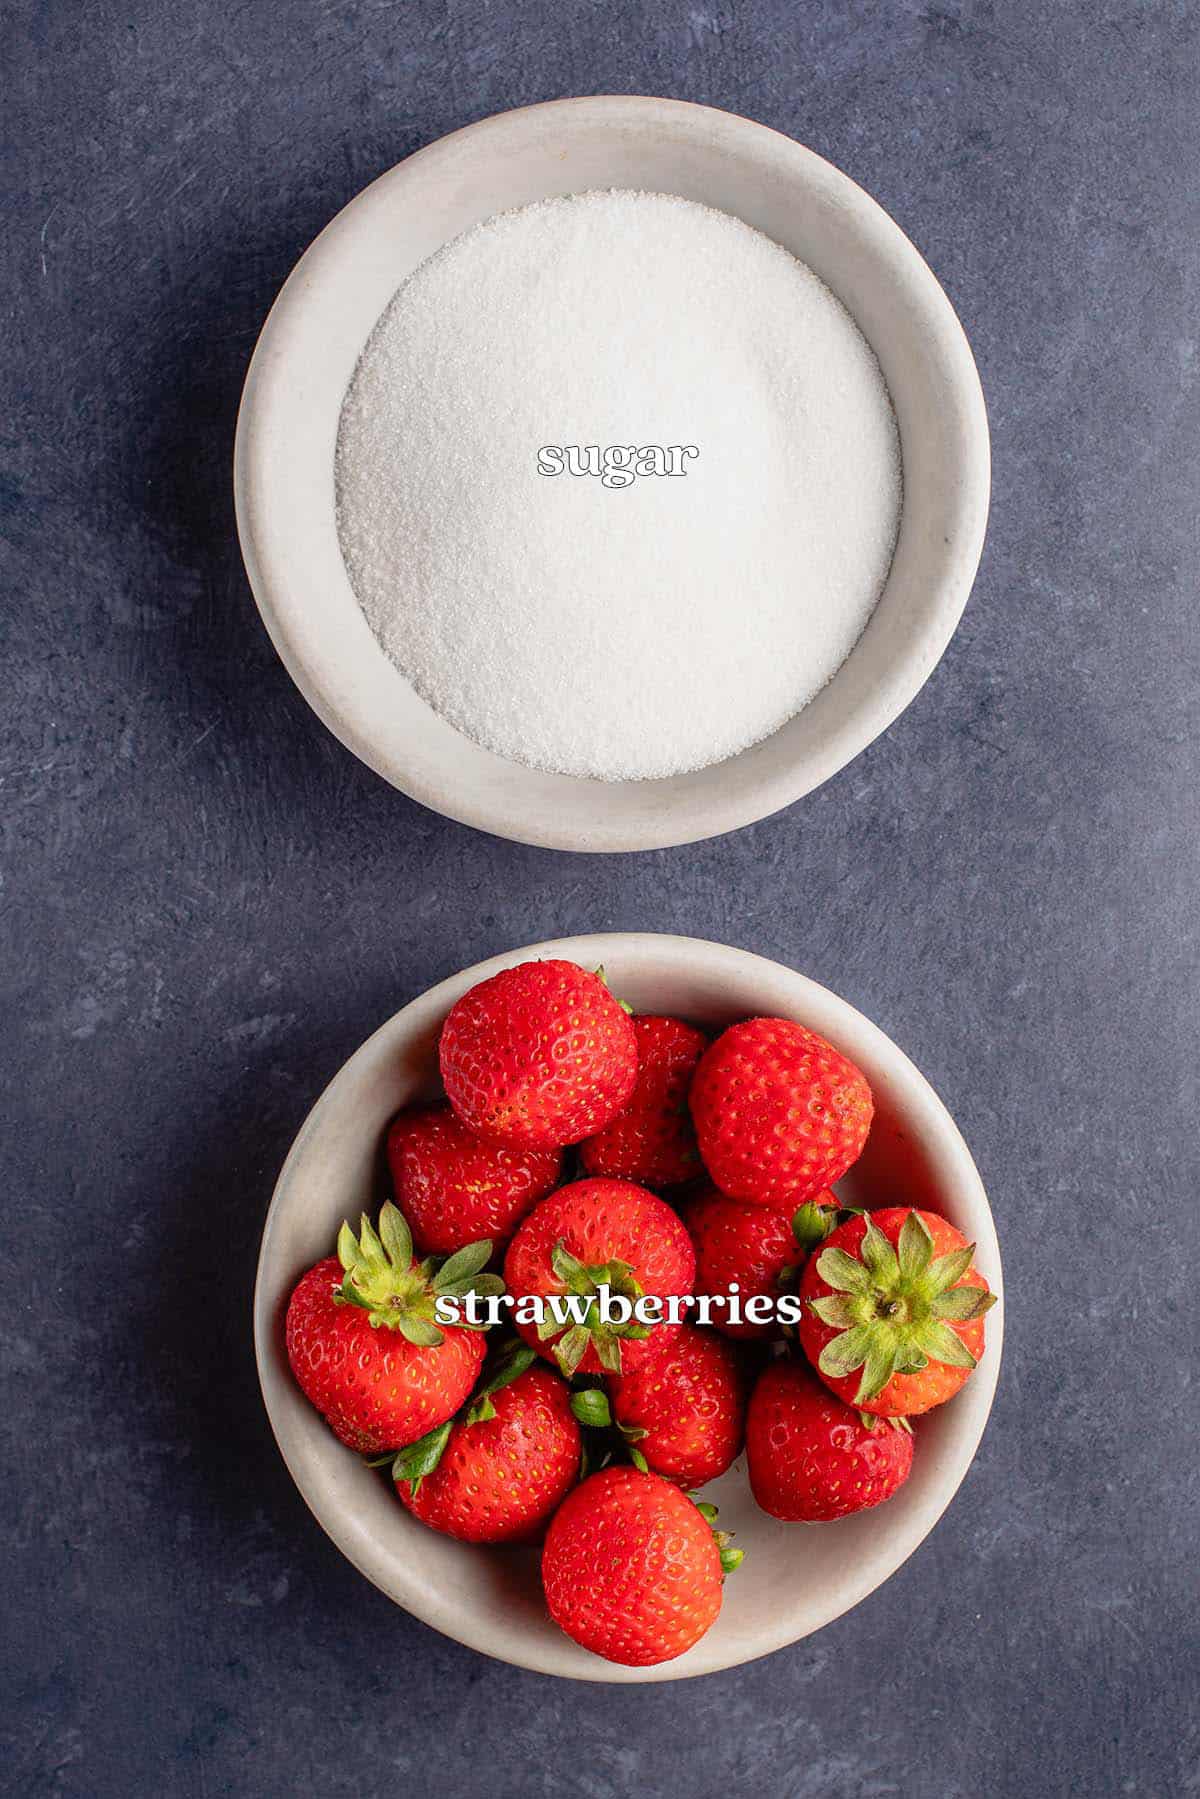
(207, 903)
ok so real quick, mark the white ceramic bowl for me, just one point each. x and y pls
(794, 1578)
(287, 433)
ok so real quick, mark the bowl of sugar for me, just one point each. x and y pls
(610, 473)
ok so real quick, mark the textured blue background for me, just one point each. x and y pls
(207, 903)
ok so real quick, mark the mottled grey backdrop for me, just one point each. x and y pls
(208, 903)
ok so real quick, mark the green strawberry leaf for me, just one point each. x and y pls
(482, 1284)
(369, 1244)
(418, 1331)
(571, 1348)
(591, 1408)
(463, 1265)
(840, 1310)
(949, 1269)
(511, 1363)
(847, 1352)
(350, 1294)
(569, 1269)
(812, 1224)
(397, 1238)
(878, 1256)
(347, 1247)
(962, 1303)
(878, 1368)
(915, 1247)
(422, 1457)
(941, 1344)
(841, 1271)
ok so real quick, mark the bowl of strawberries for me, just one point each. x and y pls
(596, 1272)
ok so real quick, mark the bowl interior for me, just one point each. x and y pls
(288, 430)
(794, 1579)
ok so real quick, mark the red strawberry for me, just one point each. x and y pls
(453, 1189)
(779, 1113)
(893, 1311)
(587, 1235)
(751, 1251)
(502, 1469)
(632, 1569)
(811, 1458)
(652, 1140)
(538, 1056)
(687, 1411)
(362, 1342)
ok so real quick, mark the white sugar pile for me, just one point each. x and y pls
(617, 631)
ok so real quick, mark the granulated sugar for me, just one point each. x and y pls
(617, 631)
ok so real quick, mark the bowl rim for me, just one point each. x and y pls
(826, 1012)
(504, 807)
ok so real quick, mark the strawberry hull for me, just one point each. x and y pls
(596, 1233)
(376, 1390)
(893, 1311)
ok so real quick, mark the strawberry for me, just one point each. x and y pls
(752, 1251)
(453, 1189)
(779, 1113)
(686, 1412)
(811, 1457)
(593, 1234)
(894, 1294)
(497, 1473)
(538, 1056)
(632, 1568)
(652, 1140)
(362, 1342)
